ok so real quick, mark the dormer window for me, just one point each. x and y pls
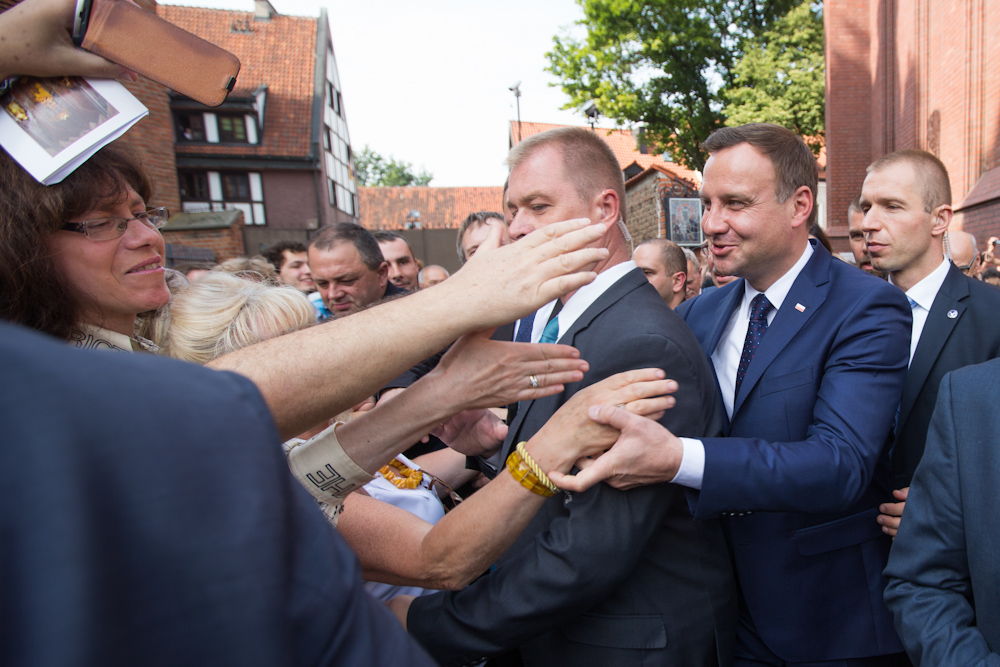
(190, 126)
(232, 129)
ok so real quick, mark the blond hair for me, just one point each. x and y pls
(587, 160)
(220, 313)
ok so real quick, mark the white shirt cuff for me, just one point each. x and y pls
(323, 467)
(692, 468)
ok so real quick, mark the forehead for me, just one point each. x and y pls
(476, 233)
(395, 248)
(541, 173)
(898, 179)
(648, 256)
(127, 198)
(291, 256)
(338, 260)
(738, 169)
(854, 219)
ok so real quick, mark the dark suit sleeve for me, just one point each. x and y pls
(844, 405)
(578, 558)
(929, 590)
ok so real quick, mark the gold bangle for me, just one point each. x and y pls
(528, 474)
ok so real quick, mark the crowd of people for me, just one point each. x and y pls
(749, 453)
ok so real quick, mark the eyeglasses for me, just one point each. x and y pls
(106, 229)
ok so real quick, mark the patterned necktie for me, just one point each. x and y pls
(759, 308)
(524, 328)
(551, 332)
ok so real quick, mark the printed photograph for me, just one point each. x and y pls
(685, 221)
(57, 112)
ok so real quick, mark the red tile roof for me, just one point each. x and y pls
(440, 208)
(281, 53)
(622, 143)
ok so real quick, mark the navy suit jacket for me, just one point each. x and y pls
(604, 577)
(944, 583)
(962, 328)
(149, 518)
(802, 466)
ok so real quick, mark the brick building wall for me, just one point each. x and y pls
(292, 199)
(643, 208)
(915, 74)
(225, 242)
(646, 195)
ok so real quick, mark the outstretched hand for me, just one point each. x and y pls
(644, 453)
(483, 373)
(500, 284)
(36, 42)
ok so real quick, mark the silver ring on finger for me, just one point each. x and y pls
(533, 381)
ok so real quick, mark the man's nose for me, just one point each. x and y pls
(519, 228)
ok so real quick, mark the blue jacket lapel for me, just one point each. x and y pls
(808, 293)
(954, 291)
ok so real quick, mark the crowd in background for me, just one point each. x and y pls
(571, 451)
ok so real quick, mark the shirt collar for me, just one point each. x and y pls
(587, 295)
(777, 292)
(927, 288)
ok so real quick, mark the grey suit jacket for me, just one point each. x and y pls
(944, 582)
(963, 328)
(605, 577)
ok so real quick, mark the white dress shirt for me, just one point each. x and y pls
(726, 360)
(579, 302)
(923, 294)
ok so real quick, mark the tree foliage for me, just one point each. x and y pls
(371, 168)
(662, 63)
(781, 77)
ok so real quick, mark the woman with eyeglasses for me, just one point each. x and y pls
(81, 259)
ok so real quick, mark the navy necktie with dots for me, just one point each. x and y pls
(759, 309)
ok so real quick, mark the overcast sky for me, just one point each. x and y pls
(427, 82)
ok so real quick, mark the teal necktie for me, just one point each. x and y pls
(551, 332)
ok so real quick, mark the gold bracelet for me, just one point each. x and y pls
(528, 474)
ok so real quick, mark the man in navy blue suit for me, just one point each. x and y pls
(809, 354)
(906, 199)
(943, 575)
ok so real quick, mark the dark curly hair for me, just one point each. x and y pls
(32, 291)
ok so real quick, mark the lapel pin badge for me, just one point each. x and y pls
(799, 307)
(952, 314)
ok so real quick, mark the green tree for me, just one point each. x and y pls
(371, 168)
(661, 63)
(781, 77)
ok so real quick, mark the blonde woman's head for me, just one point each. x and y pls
(220, 313)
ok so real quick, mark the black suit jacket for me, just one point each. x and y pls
(604, 577)
(963, 328)
(148, 518)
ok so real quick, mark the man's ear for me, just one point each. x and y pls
(680, 282)
(941, 220)
(608, 205)
(383, 271)
(802, 205)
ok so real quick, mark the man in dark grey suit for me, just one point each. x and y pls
(906, 199)
(602, 577)
(944, 583)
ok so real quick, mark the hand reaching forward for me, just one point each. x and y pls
(36, 41)
(481, 373)
(644, 453)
